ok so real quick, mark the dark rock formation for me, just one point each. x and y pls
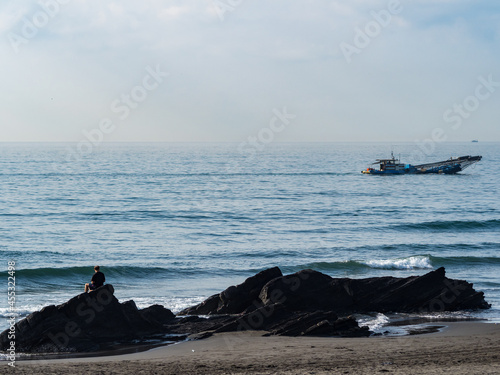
(305, 303)
(156, 315)
(304, 290)
(235, 299)
(85, 323)
(309, 290)
(432, 292)
(277, 319)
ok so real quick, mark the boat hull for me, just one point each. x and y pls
(449, 169)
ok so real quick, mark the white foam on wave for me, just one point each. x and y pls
(374, 323)
(409, 263)
(19, 312)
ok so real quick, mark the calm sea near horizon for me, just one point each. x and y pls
(175, 223)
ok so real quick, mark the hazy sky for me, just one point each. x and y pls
(223, 70)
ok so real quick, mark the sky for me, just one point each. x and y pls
(227, 70)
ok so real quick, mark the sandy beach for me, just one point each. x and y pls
(460, 348)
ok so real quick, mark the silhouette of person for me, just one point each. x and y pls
(97, 280)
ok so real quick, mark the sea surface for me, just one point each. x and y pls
(175, 223)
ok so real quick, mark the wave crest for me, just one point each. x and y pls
(409, 263)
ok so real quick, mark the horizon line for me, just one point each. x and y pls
(274, 142)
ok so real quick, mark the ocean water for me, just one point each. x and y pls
(175, 223)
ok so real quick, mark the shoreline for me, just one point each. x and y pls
(410, 326)
(459, 348)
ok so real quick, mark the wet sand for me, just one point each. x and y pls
(460, 348)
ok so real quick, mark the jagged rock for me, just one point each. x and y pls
(235, 299)
(304, 290)
(340, 327)
(302, 322)
(194, 325)
(207, 307)
(277, 319)
(84, 323)
(157, 315)
(259, 319)
(432, 292)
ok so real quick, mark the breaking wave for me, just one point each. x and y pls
(410, 263)
(414, 262)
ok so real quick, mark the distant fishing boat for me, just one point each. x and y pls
(450, 166)
(475, 141)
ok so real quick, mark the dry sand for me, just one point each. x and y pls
(462, 348)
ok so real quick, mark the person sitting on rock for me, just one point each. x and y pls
(97, 280)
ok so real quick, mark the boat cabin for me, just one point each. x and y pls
(391, 165)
